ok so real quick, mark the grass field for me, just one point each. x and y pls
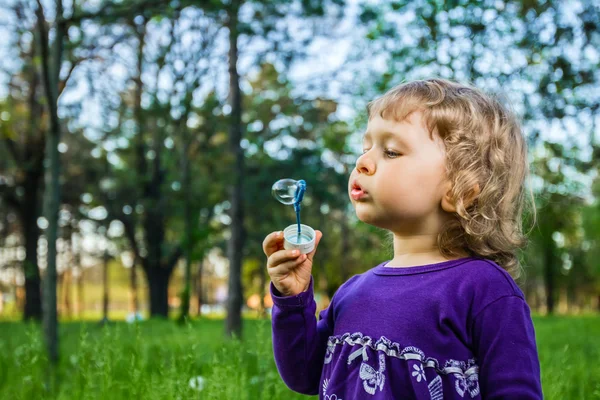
(162, 360)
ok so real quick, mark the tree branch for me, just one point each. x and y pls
(175, 255)
(113, 11)
(63, 83)
(78, 61)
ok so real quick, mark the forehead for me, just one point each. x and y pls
(409, 130)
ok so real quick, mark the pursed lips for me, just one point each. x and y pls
(357, 192)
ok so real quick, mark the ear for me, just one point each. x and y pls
(448, 204)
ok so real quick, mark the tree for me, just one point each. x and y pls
(23, 139)
(233, 323)
(51, 60)
(149, 179)
(264, 24)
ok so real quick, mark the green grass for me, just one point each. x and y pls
(157, 360)
(149, 360)
(569, 350)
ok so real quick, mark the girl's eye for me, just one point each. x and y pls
(388, 153)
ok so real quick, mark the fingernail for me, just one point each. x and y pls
(295, 252)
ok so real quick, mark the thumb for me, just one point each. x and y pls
(311, 255)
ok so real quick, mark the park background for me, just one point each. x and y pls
(139, 141)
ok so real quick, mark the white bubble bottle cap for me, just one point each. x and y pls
(305, 241)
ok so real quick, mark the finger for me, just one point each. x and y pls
(286, 267)
(273, 242)
(317, 240)
(279, 257)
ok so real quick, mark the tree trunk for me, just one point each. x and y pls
(539, 294)
(51, 60)
(154, 224)
(52, 201)
(29, 207)
(66, 277)
(158, 290)
(158, 274)
(105, 285)
(33, 296)
(133, 294)
(199, 285)
(187, 212)
(79, 303)
(549, 277)
(233, 325)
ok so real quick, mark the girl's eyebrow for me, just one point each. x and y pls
(385, 135)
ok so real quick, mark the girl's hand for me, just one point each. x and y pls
(289, 271)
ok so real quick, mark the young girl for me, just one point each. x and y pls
(443, 169)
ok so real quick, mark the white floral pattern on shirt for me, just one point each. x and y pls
(464, 372)
(372, 378)
(419, 372)
(325, 395)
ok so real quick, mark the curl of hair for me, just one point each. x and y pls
(485, 147)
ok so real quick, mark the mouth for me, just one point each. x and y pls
(357, 192)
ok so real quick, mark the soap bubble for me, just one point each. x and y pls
(284, 190)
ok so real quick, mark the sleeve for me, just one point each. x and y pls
(299, 340)
(505, 347)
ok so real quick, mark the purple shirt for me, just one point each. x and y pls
(458, 329)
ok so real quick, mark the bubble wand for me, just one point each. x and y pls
(300, 189)
(297, 236)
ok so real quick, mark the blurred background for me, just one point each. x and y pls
(139, 141)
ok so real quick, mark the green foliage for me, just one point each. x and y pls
(528, 49)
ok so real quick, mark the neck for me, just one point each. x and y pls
(412, 249)
(415, 250)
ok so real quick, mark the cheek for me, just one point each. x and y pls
(417, 188)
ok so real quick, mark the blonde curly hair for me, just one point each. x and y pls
(486, 161)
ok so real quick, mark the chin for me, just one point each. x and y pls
(368, 217)
(386, 221)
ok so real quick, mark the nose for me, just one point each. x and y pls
(365, 165)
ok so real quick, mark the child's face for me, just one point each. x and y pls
(402, 176)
